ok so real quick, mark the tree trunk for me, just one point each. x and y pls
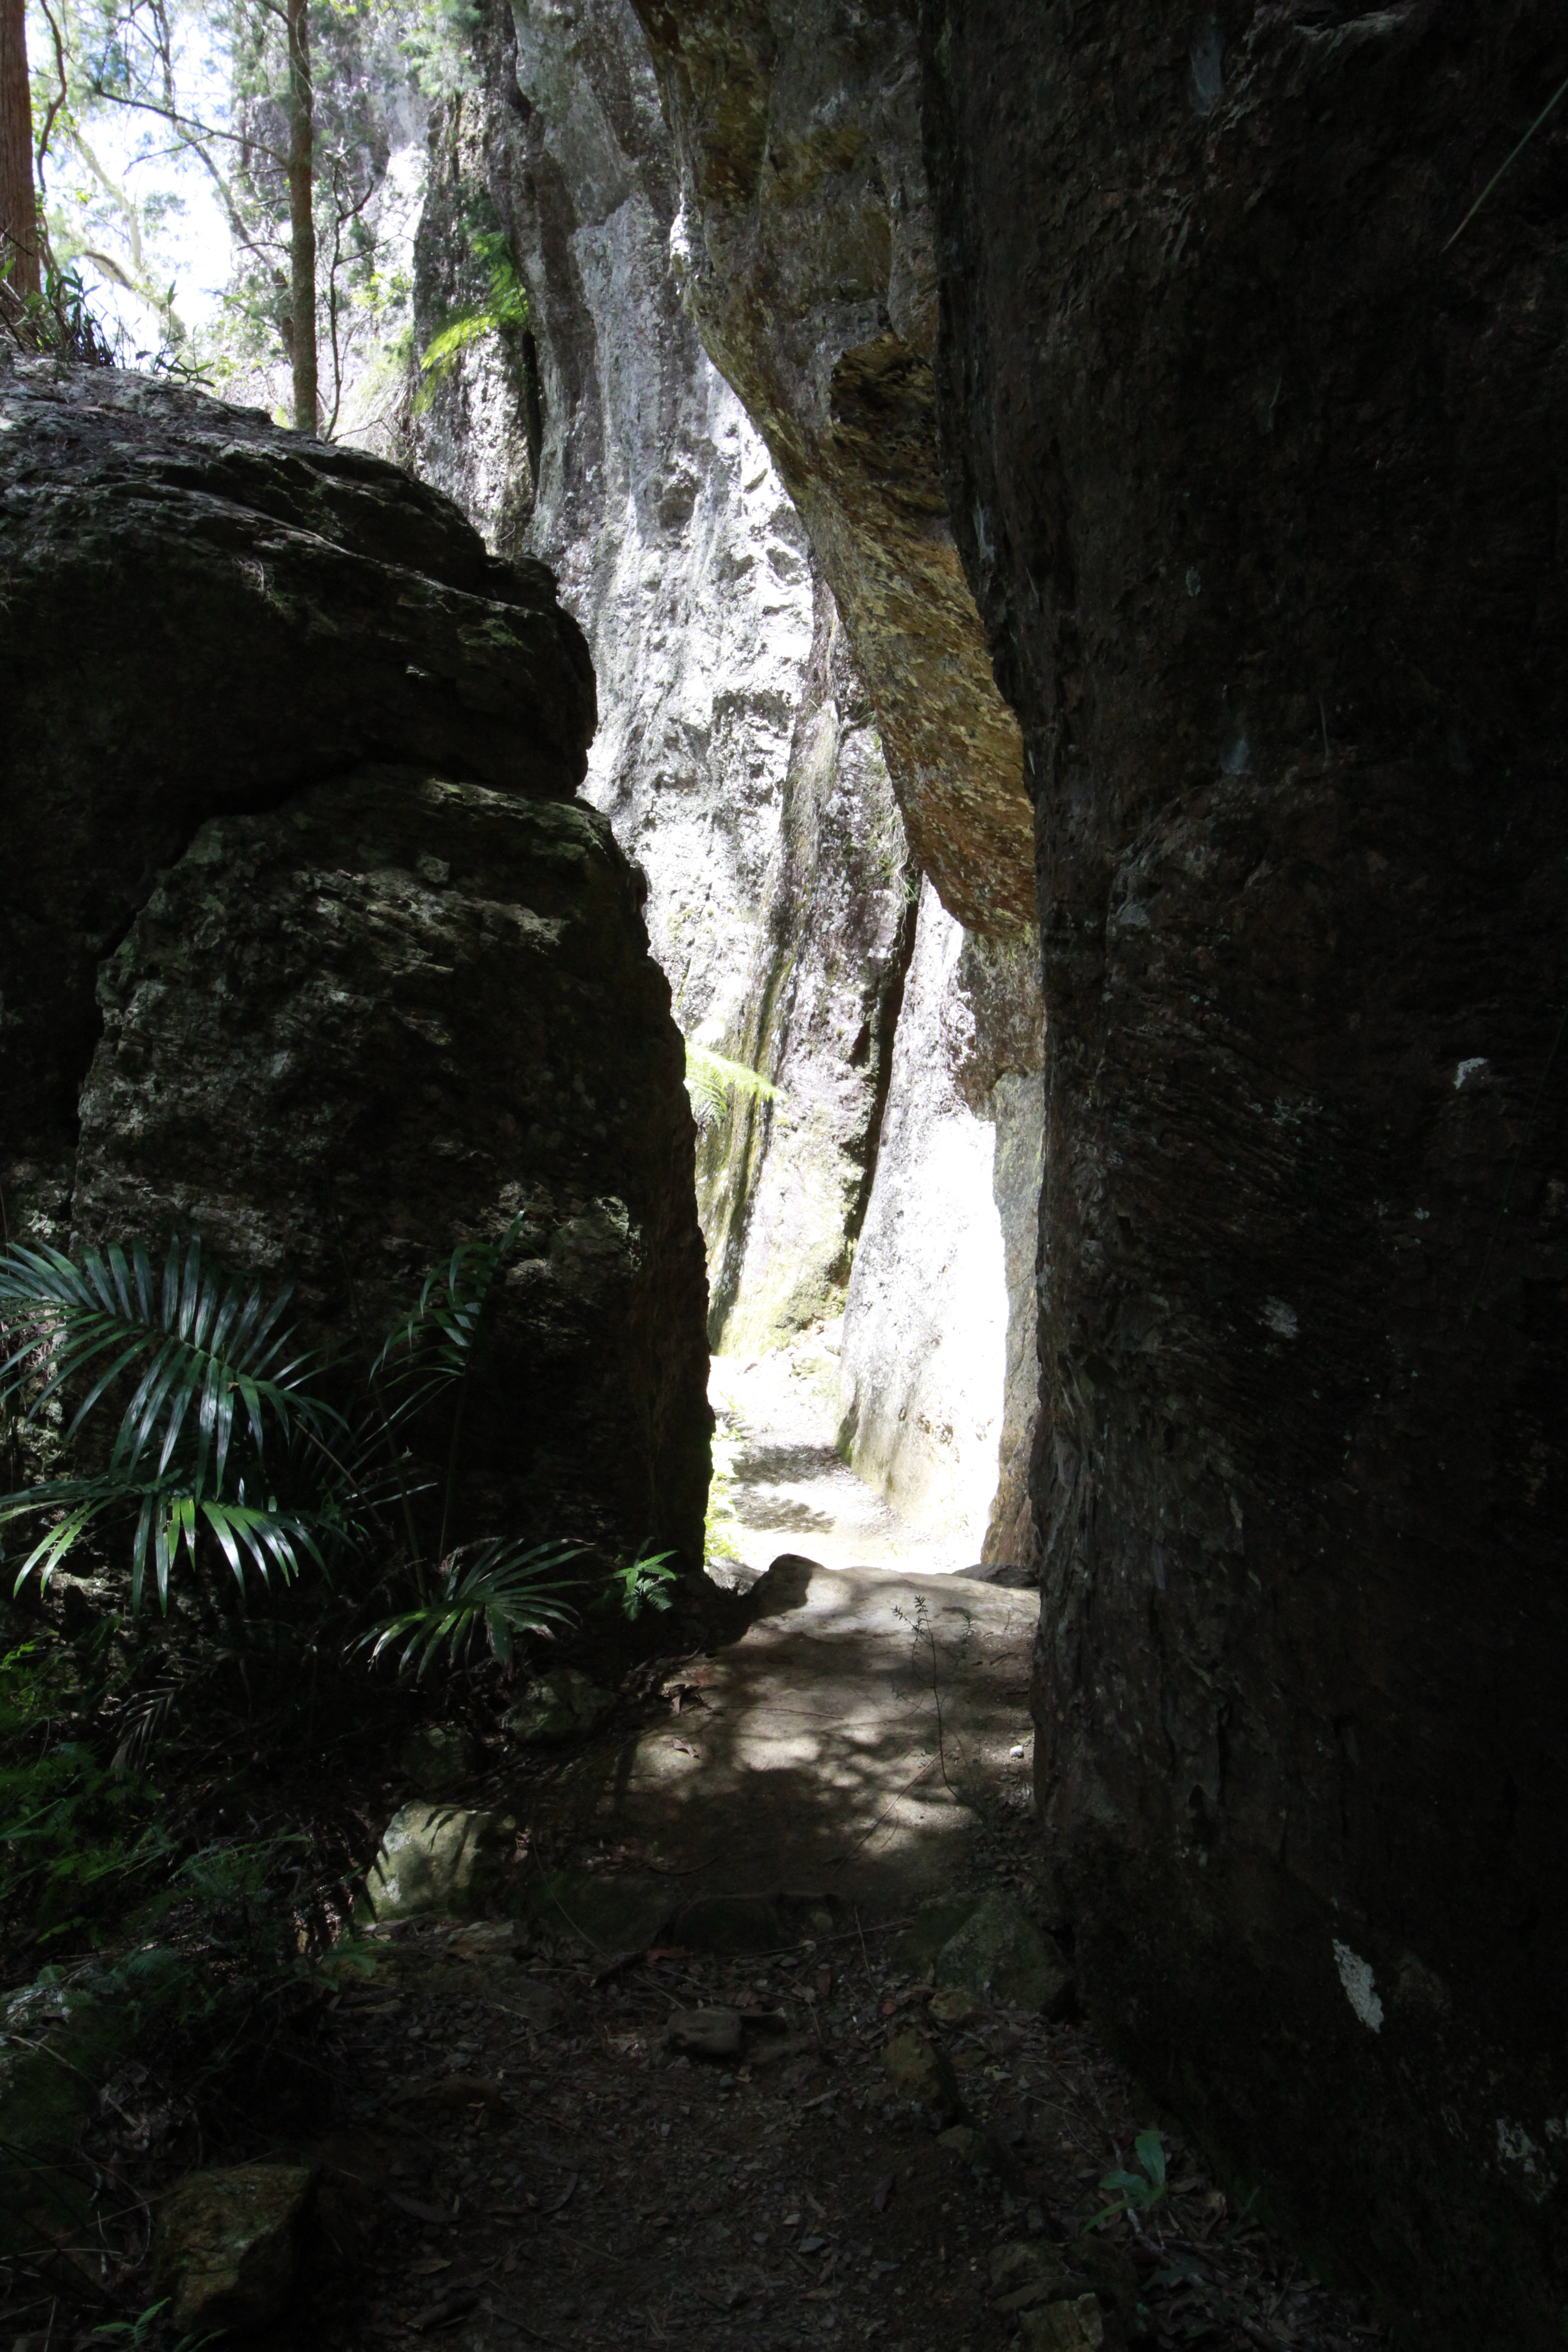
(19, 203)
(301, 217)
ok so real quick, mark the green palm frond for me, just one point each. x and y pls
(201, 1346)
(215, 1375)
(439, 1342)
(501, 1589)
(713, 1084)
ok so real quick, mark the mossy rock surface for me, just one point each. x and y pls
(998, 1953)
(565, 1703)
(436, 1857)
(226, 2247)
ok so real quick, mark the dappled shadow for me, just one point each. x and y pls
(785, 1587)
(785, 1465)
(817, 1761)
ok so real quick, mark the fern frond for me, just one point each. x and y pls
(712, 1083)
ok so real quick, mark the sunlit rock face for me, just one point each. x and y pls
(307, 943)
(737, 757)
(938, 1370)
(740, 756)
(804, 246)
(1256, 466)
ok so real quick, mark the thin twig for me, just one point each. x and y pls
(1557, 95)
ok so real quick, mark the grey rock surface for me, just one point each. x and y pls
(737, 757)
(938, 1363)
(785, 1184)
(436, 1857)
(398, 1013)
(202, 614)
(227, 2246)
(804, 246)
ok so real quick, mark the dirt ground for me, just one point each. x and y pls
(531, 2163)
(513, 2148)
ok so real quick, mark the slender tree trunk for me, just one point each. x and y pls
(18, 199)
(302, 216)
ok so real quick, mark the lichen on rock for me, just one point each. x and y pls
(227, 2246)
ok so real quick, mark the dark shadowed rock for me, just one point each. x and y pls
(202, 614)
(1258, 482)
(226, 2245)
(396, 1015)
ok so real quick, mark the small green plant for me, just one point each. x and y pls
(78, 1837)
(644, 1582)
(1136, 2192)
(505, 312)
(501, 1589)
(141, 2334)
(712, 1083)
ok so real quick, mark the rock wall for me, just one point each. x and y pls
(736, 756)
(938, 1390)
(747, 705)
(804, 246)
(1256, 467)
(286, 791)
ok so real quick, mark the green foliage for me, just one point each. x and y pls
(147, 2329)
(1136, 2192)
(140, 97)
(58, 321)
(505, 312)
(226, 1439)
(77, 1838)
(644, 1582)
(499, 1589)
(214, 1369)
(713, 1084)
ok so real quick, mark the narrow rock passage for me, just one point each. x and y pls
(780, 1484)
(901, 2128)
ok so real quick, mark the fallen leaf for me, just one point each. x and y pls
(451, 2091)
(441, 2314)
(882, 2191)
(412, 2205)
(557, 2202)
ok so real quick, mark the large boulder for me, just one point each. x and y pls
(1258, 468)
(201, 614)
(437, 1857)
(285, 746)
(403, 1012)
